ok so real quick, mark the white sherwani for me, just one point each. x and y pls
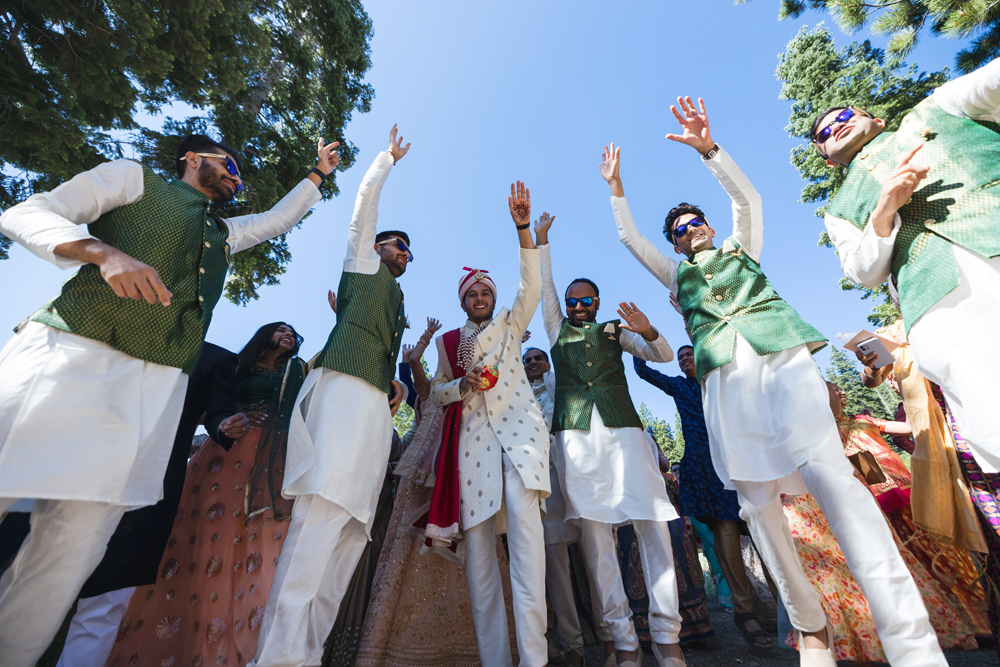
(503, 461)
(770, 431)
(85, 428)
(951, 342)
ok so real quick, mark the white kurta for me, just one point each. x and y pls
(557, 528)
(770, 439)
(606, 475)
(951, 342)
(504, 419)
(80, 420)
(342, 456)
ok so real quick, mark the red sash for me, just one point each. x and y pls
(443, 515)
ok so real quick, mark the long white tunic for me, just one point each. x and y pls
(752, 436)
(341, 430)
(557, 528)
(951, 341)
(80, 420)
(606, 474)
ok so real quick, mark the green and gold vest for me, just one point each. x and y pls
(370, 322)
(958, 202)
(172, 229)
(588, 364)
(724, 292)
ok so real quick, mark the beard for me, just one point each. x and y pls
(214, 183)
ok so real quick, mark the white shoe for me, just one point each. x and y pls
(815, 657)
(665, 661)
(633, 663)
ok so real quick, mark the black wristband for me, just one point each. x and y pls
(524, 226)
(322, 176)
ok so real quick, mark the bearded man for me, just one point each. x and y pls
(494, 454)
(94, 383)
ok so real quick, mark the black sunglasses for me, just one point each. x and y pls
(587, 302)
(682, 229)
(401, 244)
(824, 134)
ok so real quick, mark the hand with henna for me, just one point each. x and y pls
(519, 202)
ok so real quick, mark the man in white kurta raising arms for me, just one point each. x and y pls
(340, 436)
(767, 412)
(495, 452)
(93, 385)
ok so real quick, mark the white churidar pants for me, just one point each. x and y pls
(527, 577)
(954, 346)
(94, 628)
(657, 557)
(560, 587)
(68, 538)
(897, 607)
(322, 548)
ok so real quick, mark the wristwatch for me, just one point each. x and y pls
(710, 154)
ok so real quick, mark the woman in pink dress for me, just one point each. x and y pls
(207, 604)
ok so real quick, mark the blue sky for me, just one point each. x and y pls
(490, 93)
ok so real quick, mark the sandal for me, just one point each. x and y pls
(751, 636)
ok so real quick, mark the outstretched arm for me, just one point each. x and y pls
(748, 211)
(975, 95)
(655, 378)
(246, 231)
(551, 307)
(638, 337)
(661, 266)
(529, 291)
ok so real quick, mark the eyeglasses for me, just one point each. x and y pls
(824, 134)
(682, 229)
(586, 302)
(230, 166)
(401, 244)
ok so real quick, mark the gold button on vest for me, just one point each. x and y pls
(728, 317)
(201, 270)
(590, 384)
(718, 297)
(708, 276)
(201, 299)
(588, 346)
(207, 244)
(590, 363)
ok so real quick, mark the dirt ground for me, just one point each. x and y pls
(727, 648)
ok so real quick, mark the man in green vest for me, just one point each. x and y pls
(340, 435)
(767, 412)
(94, 383)
(920, 208)
(608, 473)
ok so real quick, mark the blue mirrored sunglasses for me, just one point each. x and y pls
(587, 302)
(230, 166)
(681, 230)
(842, 117)
(401, 244)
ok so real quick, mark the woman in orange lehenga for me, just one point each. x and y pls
(206, 606)
(420, 612)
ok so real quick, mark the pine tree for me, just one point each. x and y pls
(271, 75)
(662, 434)
(905, 20)
(816, 76)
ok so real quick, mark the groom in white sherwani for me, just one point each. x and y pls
(495, 453)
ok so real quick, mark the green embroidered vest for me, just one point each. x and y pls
(370, 322)
(589, 371)
(958, 202)
(722, 293)
(172, 229)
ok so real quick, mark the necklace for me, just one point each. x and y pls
(467, 345)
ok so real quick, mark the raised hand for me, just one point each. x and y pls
(635, 320)
(395, 145)
(609, 169)
(676, 304)
(130, 278)
(433, 326)
(525, 336)
(327, 159)
(519, 202)
(542, 228)
(332, 298)
(694, 122)
(407, 349)
(897, 190)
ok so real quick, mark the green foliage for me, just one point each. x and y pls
(843, 371)
(670, 444)
(402, 421)
(815, 76)
(903, 21)
(271, 76)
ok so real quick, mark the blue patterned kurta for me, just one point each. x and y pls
(702, 493)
